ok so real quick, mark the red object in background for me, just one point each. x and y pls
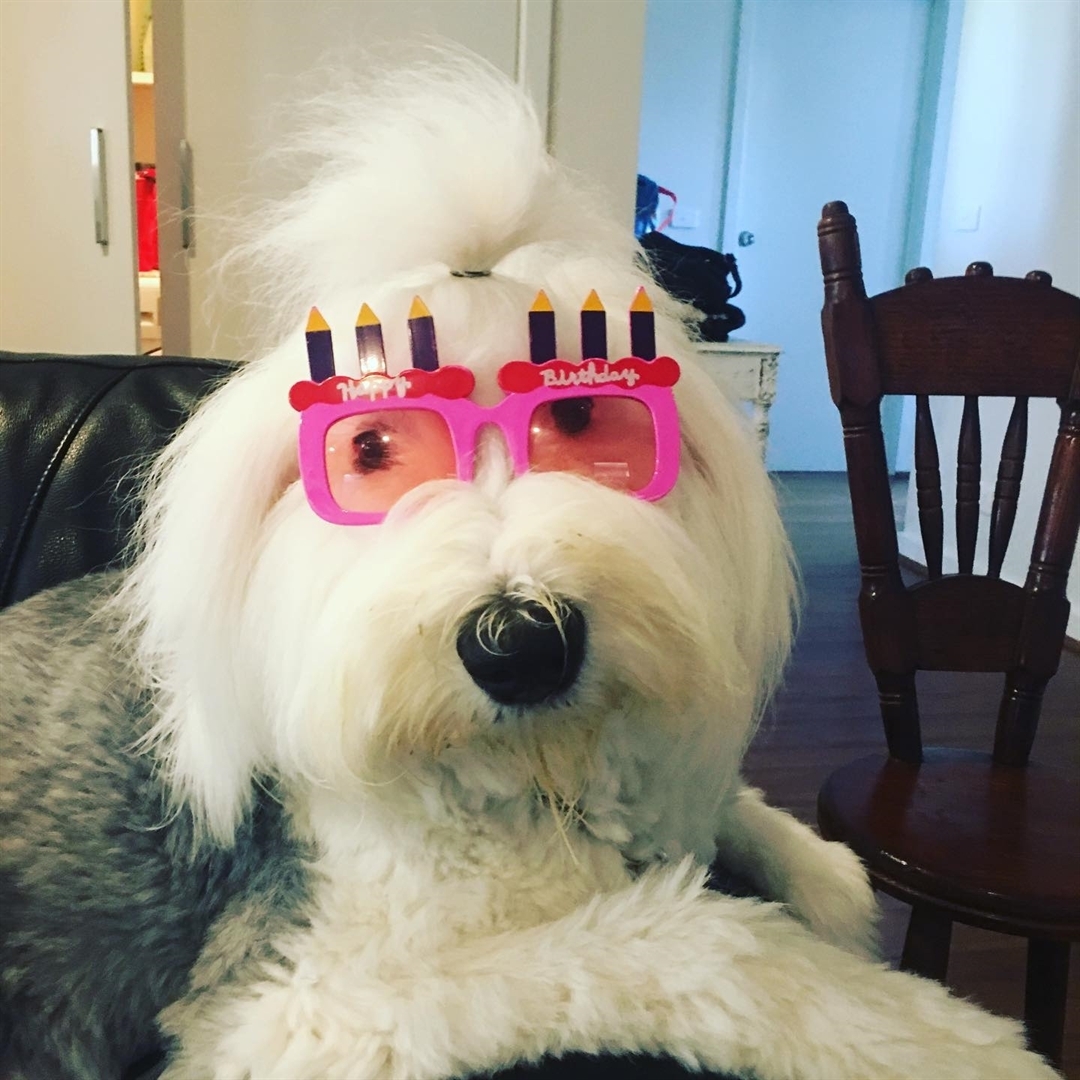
(146, 216)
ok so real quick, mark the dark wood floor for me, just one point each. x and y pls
(826, 714)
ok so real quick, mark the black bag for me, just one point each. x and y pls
(699, 276)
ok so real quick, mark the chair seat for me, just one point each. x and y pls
(995, 846)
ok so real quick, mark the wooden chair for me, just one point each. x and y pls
(986, 839)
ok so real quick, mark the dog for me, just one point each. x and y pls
(404, 746)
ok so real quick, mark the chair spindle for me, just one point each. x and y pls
(1059, 518)
(899, 705)
(1007, 492)
(968, 473)
(928, 486)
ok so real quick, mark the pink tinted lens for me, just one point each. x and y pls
(609, 439)
(374, 458)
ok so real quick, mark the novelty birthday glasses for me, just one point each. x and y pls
(365, 442)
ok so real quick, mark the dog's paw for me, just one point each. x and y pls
(913, 1027)
(832, 1014)
(831, 893)
(822, 883)
(747, 990)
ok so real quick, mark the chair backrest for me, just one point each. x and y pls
(972, 336)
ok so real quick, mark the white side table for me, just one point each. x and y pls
(748, 370)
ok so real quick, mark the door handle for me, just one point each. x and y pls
(187, 197)
(97, 180)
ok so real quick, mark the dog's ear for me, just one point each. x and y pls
(742, 519)
(207, 498)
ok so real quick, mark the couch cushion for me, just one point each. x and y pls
(75, 434)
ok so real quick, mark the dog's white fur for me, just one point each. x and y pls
(480, 895)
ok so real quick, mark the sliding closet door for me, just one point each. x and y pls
(241, 64)
(67, 266)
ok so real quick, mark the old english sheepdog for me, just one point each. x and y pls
(404, 747)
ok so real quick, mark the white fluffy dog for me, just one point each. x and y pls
(488, 878)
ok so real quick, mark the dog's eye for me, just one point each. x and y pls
(572, 415)
(372, 450)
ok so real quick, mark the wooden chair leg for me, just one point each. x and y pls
(1044, 997)
(926, 946)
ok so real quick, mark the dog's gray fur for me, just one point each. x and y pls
(84, 829)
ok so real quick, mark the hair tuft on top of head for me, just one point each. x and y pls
(440, 164)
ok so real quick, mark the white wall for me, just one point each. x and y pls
(689, 71)
(1011, 197)
(928, 181)
(596, 59)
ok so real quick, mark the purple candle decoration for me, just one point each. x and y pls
(425, 353)
(369, 343)
(593, 329)
(320, 347)
(541, 330)
(642, 326)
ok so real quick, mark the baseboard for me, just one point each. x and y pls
(916, 567)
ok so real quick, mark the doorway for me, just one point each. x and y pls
(775, 107)
(144, 170)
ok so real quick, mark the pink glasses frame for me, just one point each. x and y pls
(464, 419)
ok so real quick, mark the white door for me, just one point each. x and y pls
(63, 72)
(827, 107)
(239, 63)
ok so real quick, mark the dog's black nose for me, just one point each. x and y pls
(520, 652)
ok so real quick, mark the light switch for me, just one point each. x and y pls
(966, 217)
(686, 217)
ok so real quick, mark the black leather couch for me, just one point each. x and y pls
(76, 435)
